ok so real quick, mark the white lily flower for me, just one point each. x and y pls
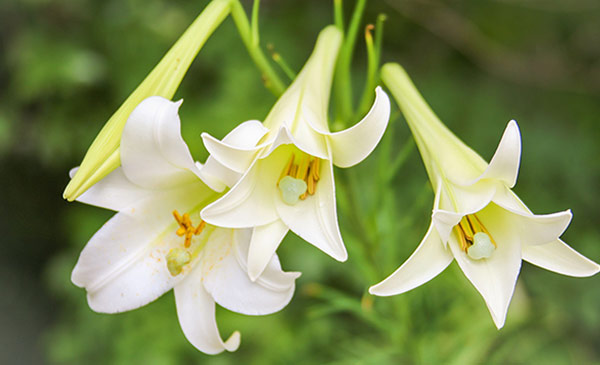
(288, 181)
(477, 219)
(148, 247)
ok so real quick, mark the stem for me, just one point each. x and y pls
(270, 78)
(284, 66)
(255, 33)
(343, 85)
(338, 14)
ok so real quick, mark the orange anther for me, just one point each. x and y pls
(177, 216)
(200, 227)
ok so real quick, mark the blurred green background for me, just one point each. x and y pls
(65, 66)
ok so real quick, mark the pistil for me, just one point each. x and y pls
(299, 180)
(474, 238)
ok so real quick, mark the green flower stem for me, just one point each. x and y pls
(338, 14)
(284, 66)
(343, 84)
(270, 77)
(255, 32)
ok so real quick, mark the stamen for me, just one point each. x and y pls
(311, 185)
(286, 170)
(315, 169)
(187, 228)
(200, 228)
(186, 220)
(474, 239)
(188, 238)
(462, 236)
(299, 180)
(485, 230)
(303, 168)
(177, 216)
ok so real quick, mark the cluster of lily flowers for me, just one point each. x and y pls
(210, 231)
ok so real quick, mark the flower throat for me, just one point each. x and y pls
(298, 180)
(474, 238)
(178, 257)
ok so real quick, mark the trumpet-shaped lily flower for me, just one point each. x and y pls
(287, 181)
(103, 156)
(477, 219)
(157, 240)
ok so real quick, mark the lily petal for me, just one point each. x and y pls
(250, 202)
(354, 144)
(153, 153)
(263, 244)
(216, 175)
(559, 257)
(226, 279)
(315, 218)
(196, 312)
(114, 192)
(495, 277)
(237, 150)
(122, 267)
(430, 259)
(538, 229)
(504, 165)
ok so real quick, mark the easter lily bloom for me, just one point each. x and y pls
(103, 155)
(157, 241)
(477, 219)
(287, 181)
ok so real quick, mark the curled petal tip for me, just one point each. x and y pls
(233, 342)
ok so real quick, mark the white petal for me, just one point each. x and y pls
(196, 312)
(237, 150)
(308, 140)
(495, 277)
(264, 243)
(250, 202)
(304, 138)
(354, 144)
(444, 222)
(114, 192)
(557, 256)
(226, 279)
(123, 266)
(538, 229)
(312, 86)
(430, 259)
(315, 218)
(217, 176)
(153, 153)
(504, 165)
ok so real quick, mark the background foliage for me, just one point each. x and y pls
(65, 66)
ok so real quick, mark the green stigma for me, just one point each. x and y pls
(291, 189)
(177, 258)
(482, 247)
